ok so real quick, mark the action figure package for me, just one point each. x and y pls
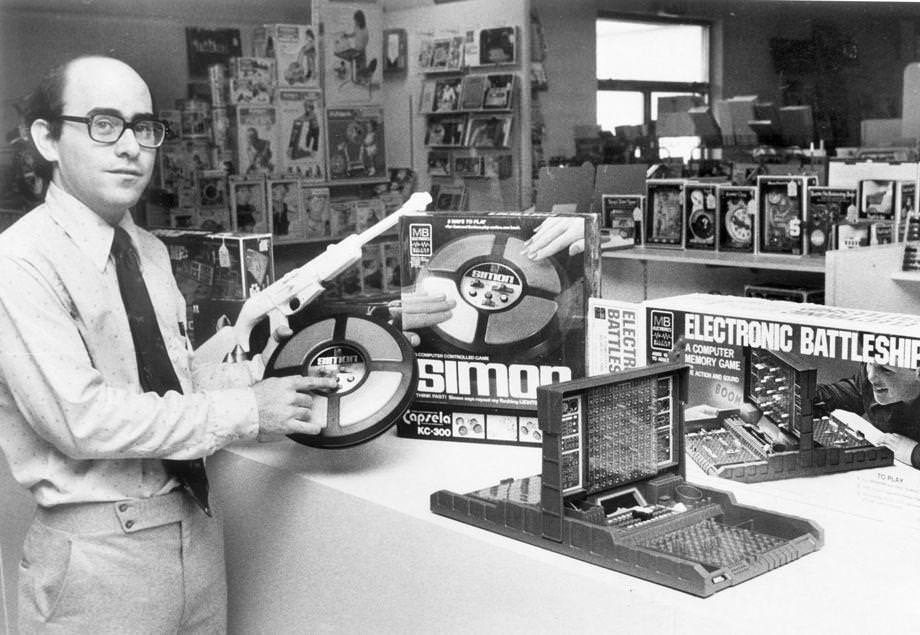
(287, 214)
(300, 122)
(257, 141)
(780, 389)
(519, 321)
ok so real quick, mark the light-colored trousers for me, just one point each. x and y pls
(136, 566)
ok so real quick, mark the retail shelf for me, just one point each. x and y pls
(750, 261)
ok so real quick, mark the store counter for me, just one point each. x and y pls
(343, 541)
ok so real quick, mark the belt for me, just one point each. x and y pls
(130, 515)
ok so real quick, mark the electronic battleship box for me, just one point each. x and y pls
(768, 380)
(519, 320)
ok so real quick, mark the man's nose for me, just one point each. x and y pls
(127, 143)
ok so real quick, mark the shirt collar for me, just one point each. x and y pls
(89, 231)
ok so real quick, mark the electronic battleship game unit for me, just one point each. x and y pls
(778, 433)
(613, 491)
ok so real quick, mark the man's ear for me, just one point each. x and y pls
(43, 141)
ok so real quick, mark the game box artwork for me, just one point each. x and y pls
(519, 320)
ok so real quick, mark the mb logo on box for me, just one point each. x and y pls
(661, 331)
(420, 245)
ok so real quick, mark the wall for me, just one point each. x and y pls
(401, 96)
(151, 40)
(568, 31)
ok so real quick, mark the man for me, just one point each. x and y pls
(117, 544)
(886, 396)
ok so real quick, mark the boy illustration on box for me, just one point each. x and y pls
(888, 397)
(258, 153)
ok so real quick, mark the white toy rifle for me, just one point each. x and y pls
(297, 288)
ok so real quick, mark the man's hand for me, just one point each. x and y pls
(555, 234)
(419, 310)
(902, 446)
(286, 405)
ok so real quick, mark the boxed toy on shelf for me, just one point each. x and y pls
(357, 143)
(878, 199)
(251, 81)
(440, 95)
(781, 217)
(441, 52)
(257, 141)
(300, 124)
(249, 204)
(296, 54)
(736, 218)
(499, 91)
(489, 131)
(827, 206)
(664, 215)
(700, 216)
(285, 205)
(315, 202)
(778, 389)
(352, 41)
(493, 46)
(216, 273)
(519, 321)
(619, 214)
(445, 130)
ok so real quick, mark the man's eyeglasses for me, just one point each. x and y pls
(106, 128)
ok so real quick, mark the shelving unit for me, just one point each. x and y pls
(753, 261)
(644, 273)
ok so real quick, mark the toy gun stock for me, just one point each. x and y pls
(299, 287)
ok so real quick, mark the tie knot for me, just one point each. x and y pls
(121, 243)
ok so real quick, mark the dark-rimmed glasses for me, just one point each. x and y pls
(106, 128)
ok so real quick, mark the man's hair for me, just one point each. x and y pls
(47, 100)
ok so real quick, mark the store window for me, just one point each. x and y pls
(641, 60)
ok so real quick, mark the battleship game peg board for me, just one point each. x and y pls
(613, 491)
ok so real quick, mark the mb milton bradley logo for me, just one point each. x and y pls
(661, 330)
(420, 244)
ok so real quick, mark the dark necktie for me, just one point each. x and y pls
(156, 370)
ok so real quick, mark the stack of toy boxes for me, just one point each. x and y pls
(216, 273)
(519, 322)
